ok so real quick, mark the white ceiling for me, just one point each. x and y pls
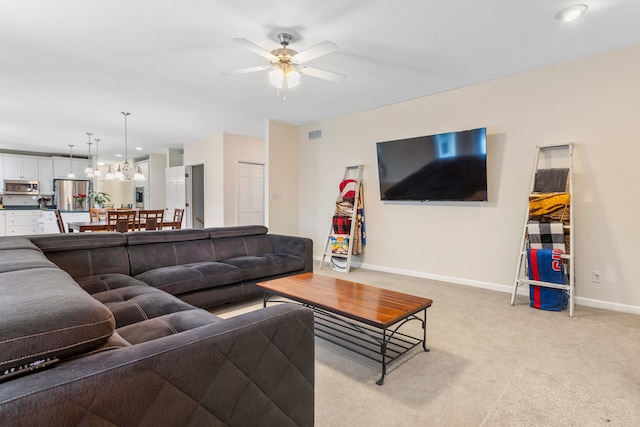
(68, 67)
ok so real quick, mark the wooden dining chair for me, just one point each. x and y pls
(177, 218)
(97, 214)
(60, 221)
(150, 219)
(121, 221)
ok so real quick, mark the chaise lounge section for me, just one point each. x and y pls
(119, 318)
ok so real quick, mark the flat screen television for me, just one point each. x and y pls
(445, 167)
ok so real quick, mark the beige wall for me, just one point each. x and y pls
(157, 181)
(237, 148)
(220, 154)
(592, 102)
(282, 182)
(209, 152)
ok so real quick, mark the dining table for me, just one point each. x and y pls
(82, 226)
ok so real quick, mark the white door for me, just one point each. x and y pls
(250, 194)
(176, 192)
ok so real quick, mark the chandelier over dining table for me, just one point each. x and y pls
(125, 171)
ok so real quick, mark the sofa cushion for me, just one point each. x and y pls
(94, 261)
(133, 304)
(67, 321)
(106, 282)
(148, 257)
(179, 279)
(255, 267)
(166, 325)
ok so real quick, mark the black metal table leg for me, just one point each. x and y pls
(383, 353)
(424, 332)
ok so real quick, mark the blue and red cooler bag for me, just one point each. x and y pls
(545, 265)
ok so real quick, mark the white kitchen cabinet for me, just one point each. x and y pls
(45, 176)
(2, 222)
(49, 224)
(20, 167)
(22, 222)
(62, 167)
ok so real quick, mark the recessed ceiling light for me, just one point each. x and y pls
(118, 155)
(139, 148)
(572, 12)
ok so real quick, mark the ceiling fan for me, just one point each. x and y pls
(286, 65)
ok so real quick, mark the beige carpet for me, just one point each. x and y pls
(480, 348)
(533, 398)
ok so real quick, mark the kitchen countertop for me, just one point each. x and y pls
(34, 208)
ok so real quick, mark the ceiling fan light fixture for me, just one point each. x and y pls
(283, 75)
(275, 77)
(572, 13)
(293, 78)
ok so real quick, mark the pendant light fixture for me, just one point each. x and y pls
(139, 176)
(110, 176)
(71, 175)
(127, 169)
(89, 169)
(96, 172)
(119, 175)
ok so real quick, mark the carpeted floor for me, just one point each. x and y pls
(489, 362)
(533, 398)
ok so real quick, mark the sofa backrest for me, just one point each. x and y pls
(19, 253)
(154, 249)
(86, 254)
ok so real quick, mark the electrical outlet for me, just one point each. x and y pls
(596, 276)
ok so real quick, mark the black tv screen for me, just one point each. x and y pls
(445, 167)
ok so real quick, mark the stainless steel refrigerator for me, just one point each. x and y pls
(66, 189)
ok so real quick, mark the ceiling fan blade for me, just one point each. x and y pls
(322, 74)
(316, 51)
(254, 47)
(248, 70)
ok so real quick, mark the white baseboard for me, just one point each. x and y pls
(490, 286)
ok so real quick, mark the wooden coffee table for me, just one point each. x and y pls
(363, 318)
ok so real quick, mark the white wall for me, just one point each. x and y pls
(592, 102)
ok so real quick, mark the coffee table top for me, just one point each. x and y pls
(368, 304)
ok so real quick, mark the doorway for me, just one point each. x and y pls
(196, 180)
(249, 193)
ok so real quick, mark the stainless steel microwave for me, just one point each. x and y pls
(29, 188)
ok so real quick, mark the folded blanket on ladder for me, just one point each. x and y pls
(546, 235)
(545, 265)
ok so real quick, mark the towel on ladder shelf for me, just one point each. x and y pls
(546, 235)
(545, 265)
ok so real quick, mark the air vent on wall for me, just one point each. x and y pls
(315, 134)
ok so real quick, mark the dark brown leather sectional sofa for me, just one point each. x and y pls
(120, 320)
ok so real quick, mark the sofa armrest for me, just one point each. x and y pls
(299, 246)
(253, 369)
